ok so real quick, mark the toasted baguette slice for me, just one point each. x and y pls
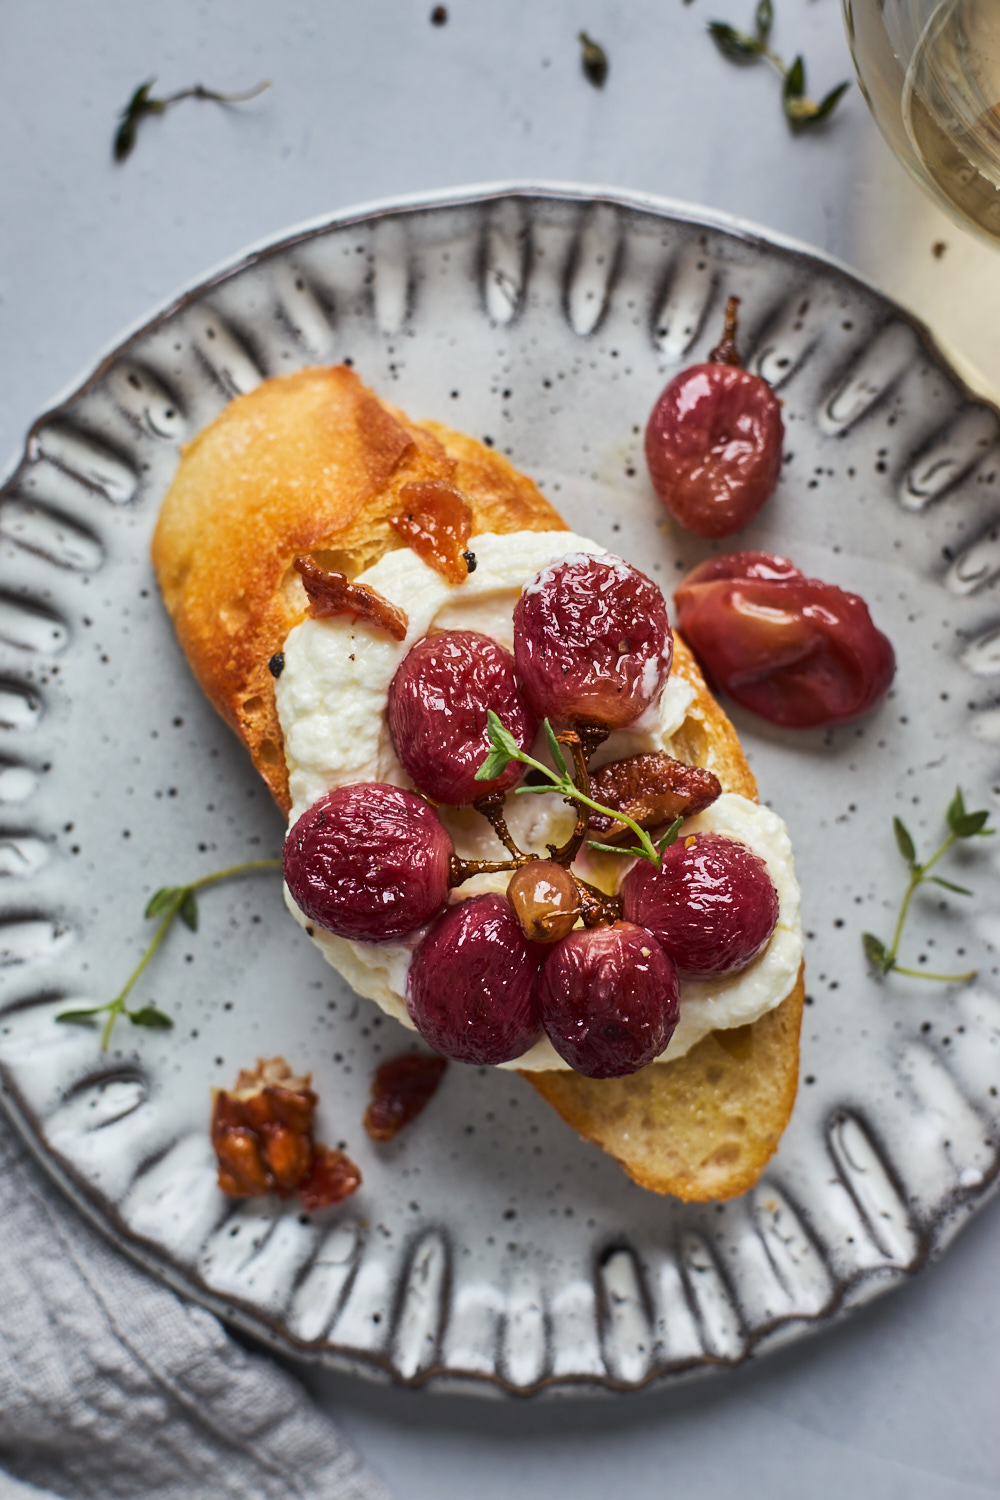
(310, 463)
(313, 463)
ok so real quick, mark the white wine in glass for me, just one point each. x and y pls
(930, 71)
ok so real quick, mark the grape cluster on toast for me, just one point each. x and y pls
(312, 465)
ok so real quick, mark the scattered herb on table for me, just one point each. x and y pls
(505, 749)
(800, 110)
(168, 903)
(143, 104)
(961, 825)
(593, 60)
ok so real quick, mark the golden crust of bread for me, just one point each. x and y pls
(309, 463)
(313, 463)
(701, 1127)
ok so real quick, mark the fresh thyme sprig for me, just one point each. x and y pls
(168, 903)
(961, 825)
(142, 104)
(505, 749)
(800, 111)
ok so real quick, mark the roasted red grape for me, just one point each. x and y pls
(437, 714)
(796, 651)
(591, 641)
(609, 999)
(545, 900)
(712, 906)
(368, 861)
(471, 991)
(713, 442)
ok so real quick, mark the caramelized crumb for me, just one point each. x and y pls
(437, 524)
(262, 1136)
(332, 1177)
(400, 1090)
(333, 594)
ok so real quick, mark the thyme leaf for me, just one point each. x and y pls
(904, 842)
(734, 44)
(142, 104)
(593, 60)
(961, 825)
(168, 903)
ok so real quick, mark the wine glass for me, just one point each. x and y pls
(930, 71)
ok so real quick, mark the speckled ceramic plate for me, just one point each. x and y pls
(488, 1243)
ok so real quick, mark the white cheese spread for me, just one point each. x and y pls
(332, 697)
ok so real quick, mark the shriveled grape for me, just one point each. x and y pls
(545, 900)
(609, 999)
(471, 990)
(712, 905)
(368, 861)
(714, 441)
(438, 701)
(592, 642)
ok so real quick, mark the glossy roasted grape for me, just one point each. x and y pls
(545, 900)
(609, 999)
(713, 447)
(592, 642)
(712, 906)
(438, 702)
(368, 861)
(471, 989)
(797, 651)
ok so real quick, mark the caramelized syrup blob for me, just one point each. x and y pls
(332, 593)
(437, 524)
(401, 1089)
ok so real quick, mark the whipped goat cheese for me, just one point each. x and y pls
(331, 700)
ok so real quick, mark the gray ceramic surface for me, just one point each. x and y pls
(488, 1244)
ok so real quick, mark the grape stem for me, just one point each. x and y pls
(581, 778)
(491, 806)
(725, 352)
(168, 903)
(961, 825)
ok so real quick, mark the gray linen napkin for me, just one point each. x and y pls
(111, 1386)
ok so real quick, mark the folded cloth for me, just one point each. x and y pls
(112, 1386)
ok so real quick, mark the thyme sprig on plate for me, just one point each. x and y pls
(961, 825)
(800, 110)
(142, 104)
(168, 903)
(505, 749)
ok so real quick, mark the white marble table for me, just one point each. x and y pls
(369, 99)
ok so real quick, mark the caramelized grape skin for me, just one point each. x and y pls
(437, 714)
(713, 447)
(368, 861)
(545, 900)
(797, 651)
(712, 906)
(471, 988)
(592, 643)
(609, 998)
